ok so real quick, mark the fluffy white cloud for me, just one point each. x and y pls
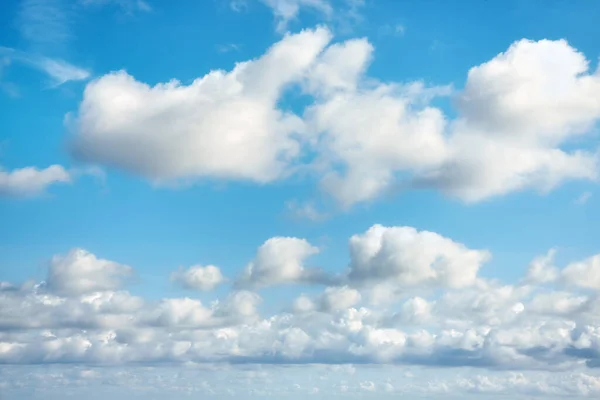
(80, 272)
(30, 181)
(198, 277)
(516, 112)
(534, 93)
(333, 299)
(280, 260)
(541, 269)
(585, 274)
(339, 298)
(78, 317)
(407, 257)
(371, 129)
(516, 115)
(224, 125)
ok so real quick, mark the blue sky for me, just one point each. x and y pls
(347, 184)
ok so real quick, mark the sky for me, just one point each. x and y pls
(285, 199)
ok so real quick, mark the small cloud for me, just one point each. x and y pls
(9, 88)
(58, 70)
(438, 46)
(392, 30)
(143, 6)
(43, 23)
(127, 6)
(226, 48)
(305, 211)
(238, 5)
(198, 277)
(583, 198)
(31, 181)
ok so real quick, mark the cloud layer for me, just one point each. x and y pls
(425, 306)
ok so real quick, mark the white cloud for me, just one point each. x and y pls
(31, 181)
(140, 382)
(80, 272)
(365, 138)
(43, 22)
(305, 211)
(415, 310)
(128, 6)
(392, 30)
(407, 257)
(303, 304)
(59, 71)
(379, 132)
(521, 96)
(583, 198)
(541, 269)
(528, 107)
(198, 277)
(281, 260)
(287, 10)
(79, 318)
(333, 299)
(45, 27)
(342, 14)
(339, 298)
(224, 125)
(372, 130)
(557, 303)
(585, 274)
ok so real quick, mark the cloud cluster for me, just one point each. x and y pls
(438, 312)
(224, 125)
(517, 117)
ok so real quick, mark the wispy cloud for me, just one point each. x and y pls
(583, 198)
(44, 23)
(58, 70)
(8, 87)
(226, 48)
(392, 30)
(305, 211)
(343, 14)
(127, 6)
(238, 5)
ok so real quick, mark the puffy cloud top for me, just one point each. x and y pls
(79, 272)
